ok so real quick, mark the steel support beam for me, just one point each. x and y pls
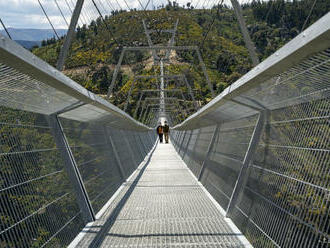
(191, 93)
(171, 42)
(154, 53)
(144, 48)
(246, 36)
(115, 73)
(248, 159)
(129, 95)
(209, 150)
(71, 168)
(68, 39)
(202, 64)
(162, 94)
(182, 77)
(142, 111)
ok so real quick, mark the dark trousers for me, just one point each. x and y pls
(160, 137)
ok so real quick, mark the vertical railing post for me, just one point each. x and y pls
(209, 150)
(249, 155)
(71, 167)
(201, 62)
(134, 159)
(246, 36)
(139, 144)
(185, 152)
(177, 138)
(181, 145)
(194, 148)
(115, 73)
(138, 105)
(67, 41)
(129, 95)
(115, 152)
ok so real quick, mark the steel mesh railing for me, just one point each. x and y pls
(63, 152)
(278, 193)
(38, 205)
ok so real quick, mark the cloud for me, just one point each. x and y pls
(28, 14)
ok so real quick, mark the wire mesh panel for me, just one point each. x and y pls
(226, 158)
(58, 165)
(38, 206)
(196, 150)
(123, 150)
(282, 199)
(95, 160)
(288, 183)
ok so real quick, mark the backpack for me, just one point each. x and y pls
(159, 129)
(166, 128)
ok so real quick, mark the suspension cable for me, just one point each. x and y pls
(4, 27)
(110, 5)
(66, 1)
(105, 23)
(51, 24)
(119, 5)
(310, 12)
(61, 13)
(102, 6)
(197, 4)
(146, 5)
(269, 10)
(212, 23)
(127, 5)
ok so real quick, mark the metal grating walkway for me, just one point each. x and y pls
(161, 205)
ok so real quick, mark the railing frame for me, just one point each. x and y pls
(115, 152)
(72, 169)
(209, 150)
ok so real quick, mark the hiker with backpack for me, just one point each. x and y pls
(160, 132)
(166, 131)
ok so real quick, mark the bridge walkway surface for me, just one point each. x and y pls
(161, 205)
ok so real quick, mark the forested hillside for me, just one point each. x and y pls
(96, 50)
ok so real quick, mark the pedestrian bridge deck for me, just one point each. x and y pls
(161, 205)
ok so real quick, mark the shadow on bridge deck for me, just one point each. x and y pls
(161, 205)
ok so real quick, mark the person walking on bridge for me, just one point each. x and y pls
(166, 130)
(160, 132)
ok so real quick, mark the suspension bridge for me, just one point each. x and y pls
(251, 168)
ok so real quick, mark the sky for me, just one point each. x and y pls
(28, 13)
